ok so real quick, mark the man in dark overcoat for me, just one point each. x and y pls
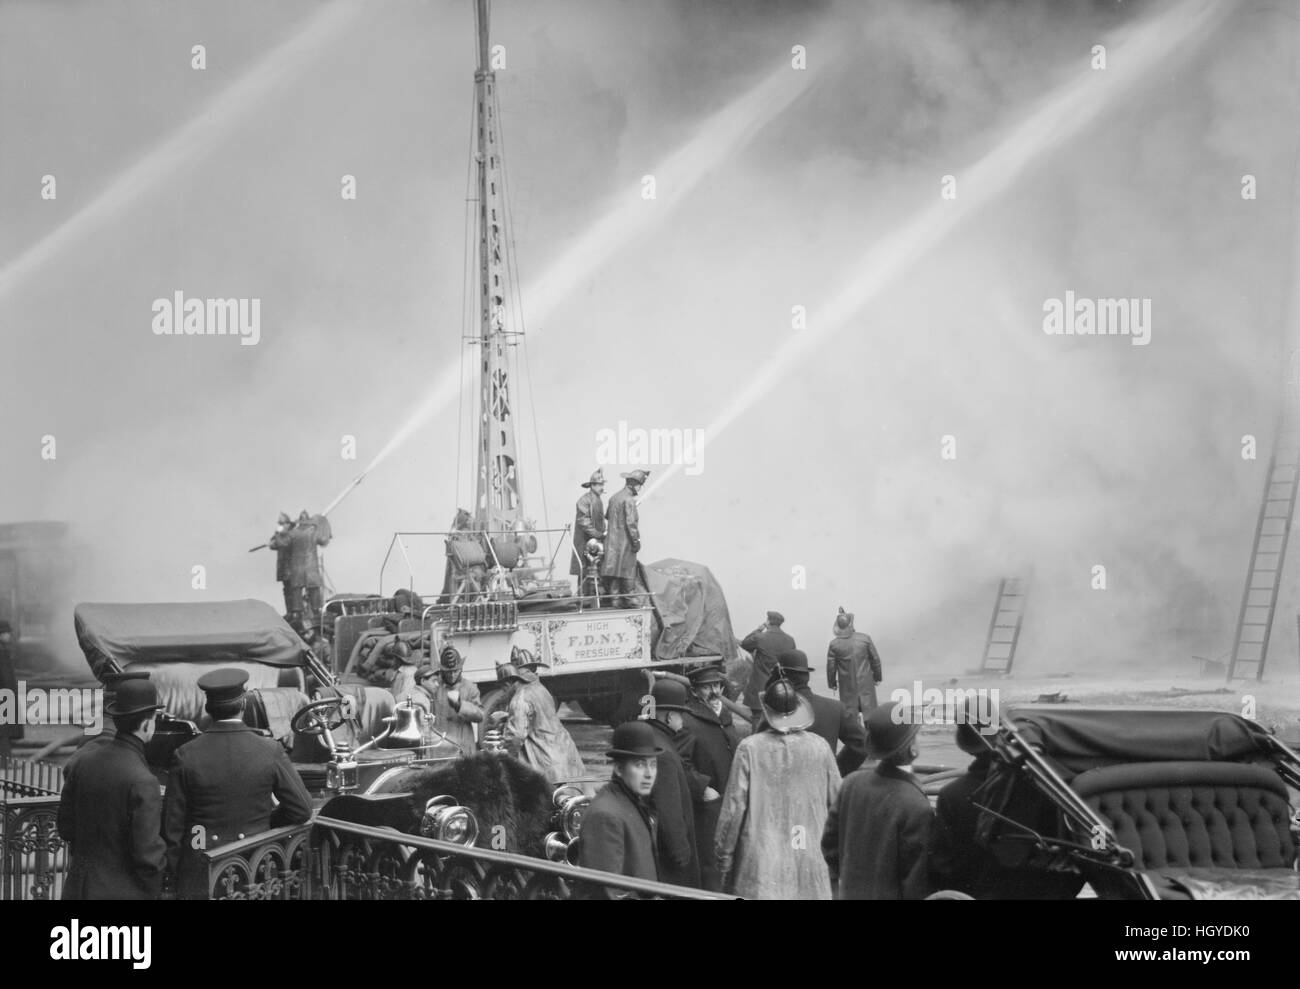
(709, 726)
(623, 542)
(853, 666)
(764, 645)
(222, 783)
(679, 788)
(619, 829)
(110, 810)
(588, 523)
(280, 543)
(877, 836)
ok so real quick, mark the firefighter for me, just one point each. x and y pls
(853, 666)
(279, 542)
(308, 533)
(623, 542)
(588, 524)
(451, 699)
(534, 726)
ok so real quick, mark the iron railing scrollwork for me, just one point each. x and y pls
(33, 857)
(325, 859)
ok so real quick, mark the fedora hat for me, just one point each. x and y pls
(596, 478)
(133, 697)
(783, 708)
(634, 740)
(890, 730)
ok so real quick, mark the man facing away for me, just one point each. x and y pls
(764, 645)
(534, 728)
(853, 665)
(877, 836)
(223, 783)
(110, 810)
(783, 782)
(623, 542)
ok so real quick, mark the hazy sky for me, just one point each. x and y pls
(1071, 451)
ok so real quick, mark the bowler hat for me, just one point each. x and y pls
(597, 478)
(890, 730)
(226, 684)
(634, 740)
(133, 697)
(670, 695)
(783, 708)
(637, 475)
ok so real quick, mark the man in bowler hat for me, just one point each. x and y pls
(619, 831)
(111, 808)
(877, 837)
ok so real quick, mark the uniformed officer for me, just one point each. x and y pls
(110, 808)
(222, 783)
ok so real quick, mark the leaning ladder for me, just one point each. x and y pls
(1258, 602)
(1004, 626)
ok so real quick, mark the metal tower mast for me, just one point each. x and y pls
(498, 504)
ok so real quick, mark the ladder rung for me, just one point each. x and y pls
(1258, 616)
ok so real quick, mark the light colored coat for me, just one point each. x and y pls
(545, 744)
(456, 723)
(768, 841)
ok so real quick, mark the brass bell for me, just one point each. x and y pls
(405, 728)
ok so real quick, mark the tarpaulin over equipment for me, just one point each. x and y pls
(211, 631)
(692, 609)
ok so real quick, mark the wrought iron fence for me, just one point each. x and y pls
(33, 858)
(21, 778)
(327, 859)
(336, 860)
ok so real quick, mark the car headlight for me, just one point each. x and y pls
(570, 804)
(445, 820)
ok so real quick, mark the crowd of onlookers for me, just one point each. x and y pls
(817, 801)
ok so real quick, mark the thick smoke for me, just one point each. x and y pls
(1071, 452)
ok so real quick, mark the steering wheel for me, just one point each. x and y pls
(324, 715)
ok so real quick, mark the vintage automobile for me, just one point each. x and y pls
(1136, 803)
(349, 742)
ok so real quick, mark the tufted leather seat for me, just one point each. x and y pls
(1194, 814)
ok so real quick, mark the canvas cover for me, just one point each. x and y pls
(1078, 739)
(203, 632)
(692, 609)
